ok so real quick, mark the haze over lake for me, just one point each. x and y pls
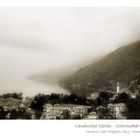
(16, 68)
(33, 40)
(30, 88)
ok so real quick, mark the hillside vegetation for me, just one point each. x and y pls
(121, 65)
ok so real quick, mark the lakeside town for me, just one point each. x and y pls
(69, 63)
(121, 104)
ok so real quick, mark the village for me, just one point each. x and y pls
(99, 105)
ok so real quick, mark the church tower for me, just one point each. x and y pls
(118, 87)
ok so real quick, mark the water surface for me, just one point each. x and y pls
(29, 87)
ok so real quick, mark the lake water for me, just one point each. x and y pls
(29, 87)
(16, 63)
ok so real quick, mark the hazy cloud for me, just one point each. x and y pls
(36, 39)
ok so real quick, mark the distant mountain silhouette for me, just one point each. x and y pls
(56, 74)
(121, 65)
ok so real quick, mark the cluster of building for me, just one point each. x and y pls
(16, 109)
(57, 111)
(122, 88)
(116, 110)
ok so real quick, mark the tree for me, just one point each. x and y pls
(13, 95)
(102, 112)
(38, 103)
(2, 113)
(13, 114)
(103, 98)
(121, 98)
(133, 106)
(66, 114)
(54, 98)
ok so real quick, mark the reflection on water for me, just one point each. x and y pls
(29, 87)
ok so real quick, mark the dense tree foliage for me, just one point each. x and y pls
(103, 98)
(12, 95)
(41, 99)
(17, 113)
(133, 111)
(122, 98)
(38, 102)
(66, 114)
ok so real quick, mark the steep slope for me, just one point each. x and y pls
(121, 65)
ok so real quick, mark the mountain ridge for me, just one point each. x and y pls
(120, 65)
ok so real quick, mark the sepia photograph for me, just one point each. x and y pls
(67, 63)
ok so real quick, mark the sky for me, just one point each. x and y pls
(40, 39)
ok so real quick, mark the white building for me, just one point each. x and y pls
(92, 116)
(94, 96)
(118, 110)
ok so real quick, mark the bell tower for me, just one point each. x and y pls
(118, 87)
